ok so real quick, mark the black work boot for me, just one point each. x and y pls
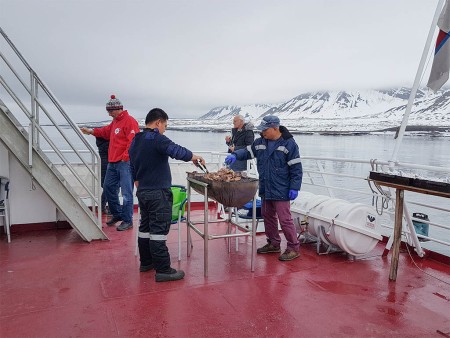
(170, 275)
(124, 226)
(114, 220)
(145, 268)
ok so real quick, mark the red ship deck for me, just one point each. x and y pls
(55, 285)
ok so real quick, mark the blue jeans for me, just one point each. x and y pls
(118, 175)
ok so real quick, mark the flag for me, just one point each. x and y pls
(441, 63)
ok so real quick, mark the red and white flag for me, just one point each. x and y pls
(441, 63)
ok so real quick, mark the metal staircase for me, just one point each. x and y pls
(40, 122)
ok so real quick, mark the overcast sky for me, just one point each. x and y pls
(190, 56)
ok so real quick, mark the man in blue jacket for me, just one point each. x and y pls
(149, 157)
(280, 178)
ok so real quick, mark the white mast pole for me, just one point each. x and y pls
(419, 73)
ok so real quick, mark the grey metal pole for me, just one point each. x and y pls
(419, 73)
(205, 233)
(253, 234)
(188, 219)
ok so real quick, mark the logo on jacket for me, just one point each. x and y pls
(117, 131)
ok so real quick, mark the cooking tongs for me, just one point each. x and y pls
(202, 167)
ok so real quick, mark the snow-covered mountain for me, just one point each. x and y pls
(226, 113)
(335, 111)
(342, 110)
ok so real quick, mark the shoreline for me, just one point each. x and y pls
(419, 130)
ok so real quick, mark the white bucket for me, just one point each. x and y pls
(353, 227)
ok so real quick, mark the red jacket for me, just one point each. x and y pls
(120, 132)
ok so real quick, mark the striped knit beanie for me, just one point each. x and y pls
(114, 104)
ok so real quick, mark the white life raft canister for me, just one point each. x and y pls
(353, 227)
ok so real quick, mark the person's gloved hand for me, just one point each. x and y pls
(293, 194)
(230, 159)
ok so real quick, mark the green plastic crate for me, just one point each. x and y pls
(179, 195)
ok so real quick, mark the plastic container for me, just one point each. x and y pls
(249, 206)
(179, 195)
(421, 228)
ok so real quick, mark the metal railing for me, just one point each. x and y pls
(49, 125)
(347, 179)
(353, 184)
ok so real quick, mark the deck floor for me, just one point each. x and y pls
(55, 285)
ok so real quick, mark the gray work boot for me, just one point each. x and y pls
(268, 248)
(124, 226)
(289, 255)
(172, 275)
(114, 220)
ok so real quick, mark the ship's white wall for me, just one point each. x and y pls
(4, 161)
(28, 202)
(4, 174)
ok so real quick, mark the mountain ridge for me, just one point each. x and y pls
(341, 104)
(335, 111)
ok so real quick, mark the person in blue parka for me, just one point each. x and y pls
(280, 178)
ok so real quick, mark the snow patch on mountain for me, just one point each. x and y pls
(367, 110)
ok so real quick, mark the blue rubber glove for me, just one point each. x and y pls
(230, 159)
(293, 194)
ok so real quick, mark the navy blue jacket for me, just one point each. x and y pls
(149, 159)
(279, 170)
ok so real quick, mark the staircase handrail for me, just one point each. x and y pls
(36, 83)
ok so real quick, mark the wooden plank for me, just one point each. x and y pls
(397, 233)
(413, 189)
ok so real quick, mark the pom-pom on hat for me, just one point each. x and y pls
(269, 121)
(114, 104)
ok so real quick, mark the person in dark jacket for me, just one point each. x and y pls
(149, 156)
(280, 178)
(241, 136)
(102, 146)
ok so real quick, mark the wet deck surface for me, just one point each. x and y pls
(55, 285)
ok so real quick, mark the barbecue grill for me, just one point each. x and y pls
(231, 194)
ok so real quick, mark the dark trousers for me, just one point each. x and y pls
(282, 209)
(103, 166)
(156, 216)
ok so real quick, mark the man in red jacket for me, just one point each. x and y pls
(120, 132)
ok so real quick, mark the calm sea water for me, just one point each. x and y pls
(415, 149)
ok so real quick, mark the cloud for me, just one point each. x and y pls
(189, 56)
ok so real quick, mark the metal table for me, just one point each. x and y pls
(206, 221)
(389, 181)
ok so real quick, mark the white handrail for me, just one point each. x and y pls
(93, 186)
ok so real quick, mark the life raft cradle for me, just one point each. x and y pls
(304, 237)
